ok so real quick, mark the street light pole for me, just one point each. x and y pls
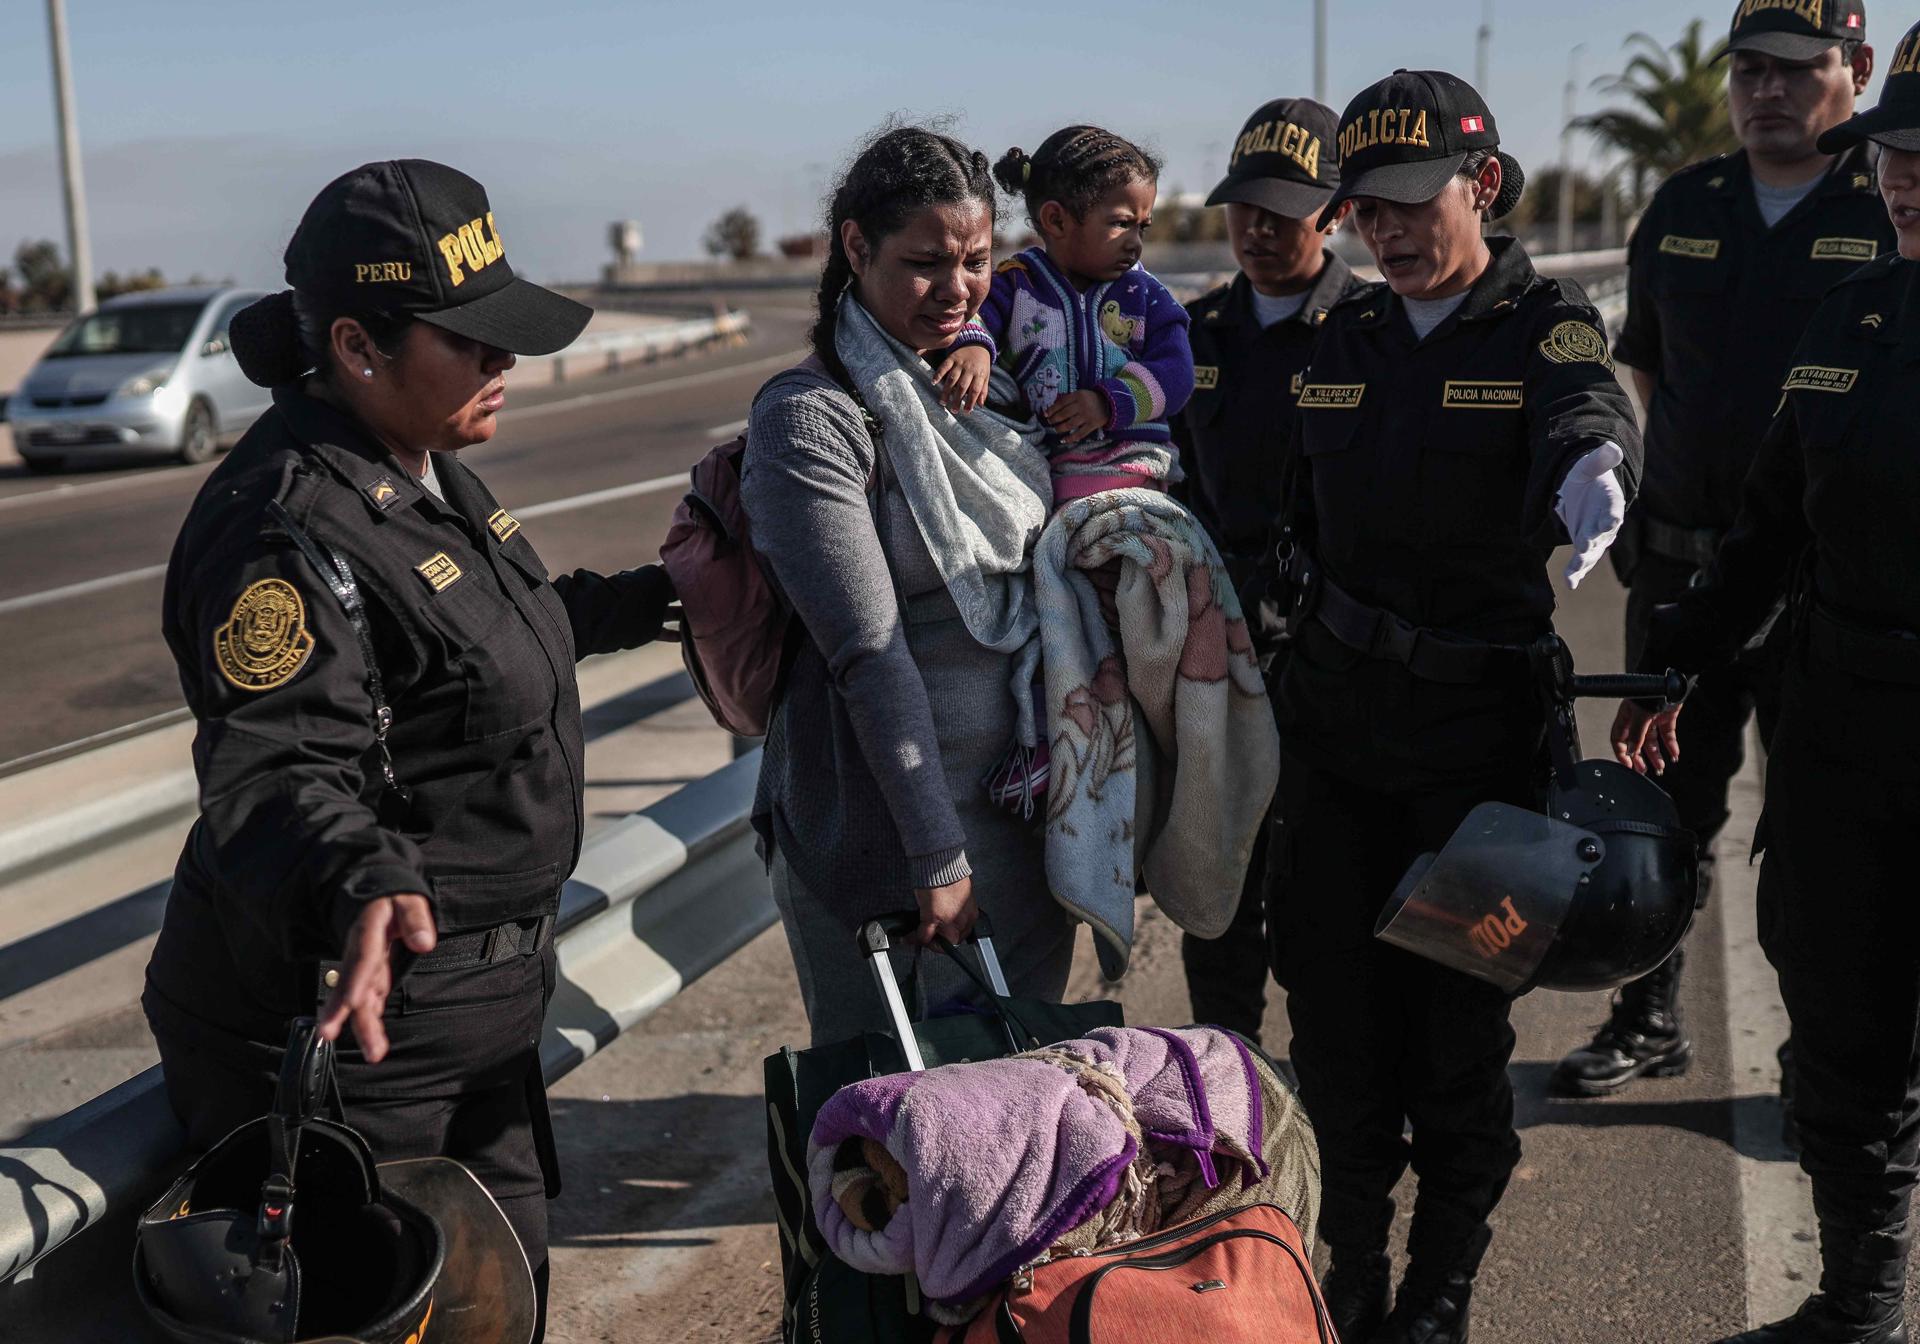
(1320, 51)
(1565, 240)
(1483, 51)
(79, 250)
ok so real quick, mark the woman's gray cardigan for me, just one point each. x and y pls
(851, 784)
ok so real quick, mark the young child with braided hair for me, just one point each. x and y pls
(1097, 344)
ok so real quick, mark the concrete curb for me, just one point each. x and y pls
(691, 856)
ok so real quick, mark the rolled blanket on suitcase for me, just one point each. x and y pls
(1088, 1143)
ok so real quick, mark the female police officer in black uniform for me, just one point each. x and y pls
(1456, 424)
(389, 749)
(1831, 518)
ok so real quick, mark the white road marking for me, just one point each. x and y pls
(69, 491)
(60, 594)
(1776, 1200)
(721, 433)
(654, 486)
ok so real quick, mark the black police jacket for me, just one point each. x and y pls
(1429, 474)
(1236, 434)
(1716, 302)
(476, 646)
(1834, 493)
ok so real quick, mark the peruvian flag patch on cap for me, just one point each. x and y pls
(1473, 125)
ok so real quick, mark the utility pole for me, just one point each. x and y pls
(1320, 51)
(79, 250)
(1565, 239)
(1482, 74)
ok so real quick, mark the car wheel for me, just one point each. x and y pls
(197, 441)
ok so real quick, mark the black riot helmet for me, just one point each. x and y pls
(1595, 892)
(286, 1232)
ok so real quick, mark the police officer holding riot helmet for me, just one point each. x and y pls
(1830, 516)
(1724, 270)
(389, 752)
(1252, 339)
(1457, 423)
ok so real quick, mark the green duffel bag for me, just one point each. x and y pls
(826, 1300)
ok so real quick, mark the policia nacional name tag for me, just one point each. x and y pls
(1481, 396)
(265, 640)
(1844, 249)
(503, 524)
(1818, 378)
(1700, 249)
(438, 571)
(1332, 396)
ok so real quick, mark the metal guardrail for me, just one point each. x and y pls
(657, 900)
(608, 350)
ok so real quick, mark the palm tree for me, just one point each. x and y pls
(1679, 112)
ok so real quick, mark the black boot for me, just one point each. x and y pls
(1358, 1290)
(1643, 1037)
(1863, 1283)
(1432, 1314)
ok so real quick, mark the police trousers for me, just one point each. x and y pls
(1713, 731)
(1839, 922)
(1381, 1037)
(461, 1080)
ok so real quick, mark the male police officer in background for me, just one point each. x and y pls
(1724, 270)
(1252, 339)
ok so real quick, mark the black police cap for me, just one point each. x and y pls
(1404, 138)
(416, 238)
(1895, 120)
(1284, 160)
(1795, 30)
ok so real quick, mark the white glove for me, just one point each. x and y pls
(1592, 505)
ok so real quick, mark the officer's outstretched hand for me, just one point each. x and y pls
(1646, 739)
(366, 968)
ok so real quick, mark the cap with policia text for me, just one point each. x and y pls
(1284, 161)
(416, 238)
(1895, 120)
(1795, 30)
(1404, 138)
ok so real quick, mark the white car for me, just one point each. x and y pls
(148, 374)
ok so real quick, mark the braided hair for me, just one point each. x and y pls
(1076, 167)
(902, 170)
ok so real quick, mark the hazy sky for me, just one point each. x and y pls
(207, 125)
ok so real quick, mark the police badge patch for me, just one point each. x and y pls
(265, 640)
(1576, 343)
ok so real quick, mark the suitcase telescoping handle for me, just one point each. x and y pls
(877, 936)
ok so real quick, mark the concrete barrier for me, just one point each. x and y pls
(655, 902)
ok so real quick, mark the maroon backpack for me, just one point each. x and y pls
(738, 629)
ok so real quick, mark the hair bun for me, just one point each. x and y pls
(265, 336)
(1014, 171)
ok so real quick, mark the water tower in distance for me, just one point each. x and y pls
(623, 235)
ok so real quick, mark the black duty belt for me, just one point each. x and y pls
(1431, 655)
(480, 947)
(1689, 545)
(1879, 655)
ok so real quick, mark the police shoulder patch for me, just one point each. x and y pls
(1576, 343)
(265, 640)
(1206, 376)
(502, 524)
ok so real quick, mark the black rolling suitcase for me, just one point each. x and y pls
(826, 1301)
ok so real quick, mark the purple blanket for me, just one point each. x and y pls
(1003, 1157)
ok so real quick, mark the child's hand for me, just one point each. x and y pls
(962, 379)
(1077, 415)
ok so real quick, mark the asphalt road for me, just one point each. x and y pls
(82, 556)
